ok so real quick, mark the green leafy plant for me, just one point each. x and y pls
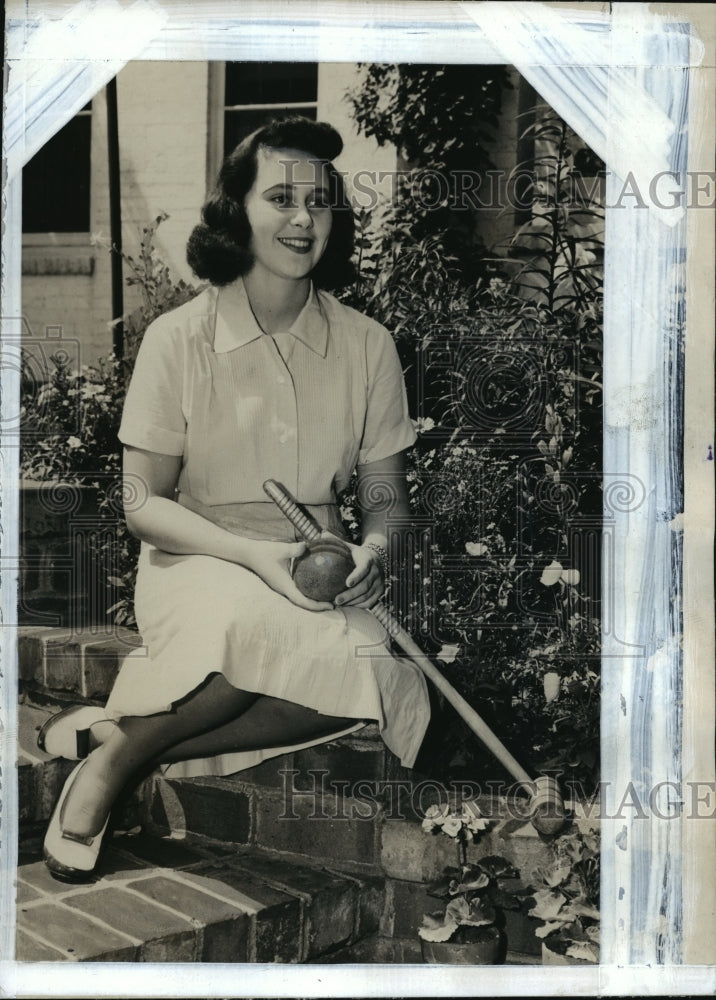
(475, 893)
(442, 119)
(502, 354)
(559, 248)
(566, 896)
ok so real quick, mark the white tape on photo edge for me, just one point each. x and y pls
(90, 42)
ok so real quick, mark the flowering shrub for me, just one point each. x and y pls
(69, 426)
(503, 360)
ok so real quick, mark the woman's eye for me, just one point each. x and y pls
(282, 199)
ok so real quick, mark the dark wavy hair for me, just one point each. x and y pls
(218, 248)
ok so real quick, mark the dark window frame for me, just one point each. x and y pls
(77, 201)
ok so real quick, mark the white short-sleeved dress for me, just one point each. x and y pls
(304, 407)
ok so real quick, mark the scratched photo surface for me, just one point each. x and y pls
(527, 191)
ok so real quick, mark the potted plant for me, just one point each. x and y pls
(469, 930)
(567, 900)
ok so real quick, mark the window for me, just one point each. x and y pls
(56, 181)
(256, 92)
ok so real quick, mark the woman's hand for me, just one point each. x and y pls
(271, 561)
(365, 585)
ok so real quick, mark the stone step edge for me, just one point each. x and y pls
(315, 892)
(213, 811)
(83, 663)
(59, 666)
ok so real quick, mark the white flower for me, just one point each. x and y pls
(448, 653)
(551, 574)
(452, 826)
(423, 424)
(570, 576)
(90, 389)
(434, 816)
(551, 683)
(74, 442)
(476, 549)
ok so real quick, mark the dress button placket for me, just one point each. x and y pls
(287, 408)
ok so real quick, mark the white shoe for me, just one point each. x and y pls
(70, 857)
(66, 734)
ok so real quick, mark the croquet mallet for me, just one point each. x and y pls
(321, 573)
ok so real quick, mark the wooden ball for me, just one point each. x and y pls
(321, 572)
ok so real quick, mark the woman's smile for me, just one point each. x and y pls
(288, 208)
(296, 243)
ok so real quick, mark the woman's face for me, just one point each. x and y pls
(288, 208)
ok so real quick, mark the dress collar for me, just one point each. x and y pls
(236, 324)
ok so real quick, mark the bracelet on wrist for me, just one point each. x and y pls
(382, 554)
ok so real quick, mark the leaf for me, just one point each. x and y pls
(436, 927)
(440, 888)
(544, 931)
(448, 653)
(547, 904)
(481, 914)
(480, 882)
(497, 867)
(557, 873)
(502, 899)
(587, 952)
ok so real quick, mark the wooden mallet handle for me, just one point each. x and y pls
(547, 797)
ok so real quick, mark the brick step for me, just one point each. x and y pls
(296, 820)
(57, 665)
(328, 804)
(159, 900)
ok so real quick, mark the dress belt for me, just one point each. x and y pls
(262, 519)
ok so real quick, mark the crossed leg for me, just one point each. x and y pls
(216, 718)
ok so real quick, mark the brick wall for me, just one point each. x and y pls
(162, 131)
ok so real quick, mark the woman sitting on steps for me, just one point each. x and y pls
(263, 375)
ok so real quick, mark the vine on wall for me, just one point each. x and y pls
(502, 352)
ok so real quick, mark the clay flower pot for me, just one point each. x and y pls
(475, 953)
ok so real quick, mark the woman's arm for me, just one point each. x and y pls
(157, 519)
(382, 494)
